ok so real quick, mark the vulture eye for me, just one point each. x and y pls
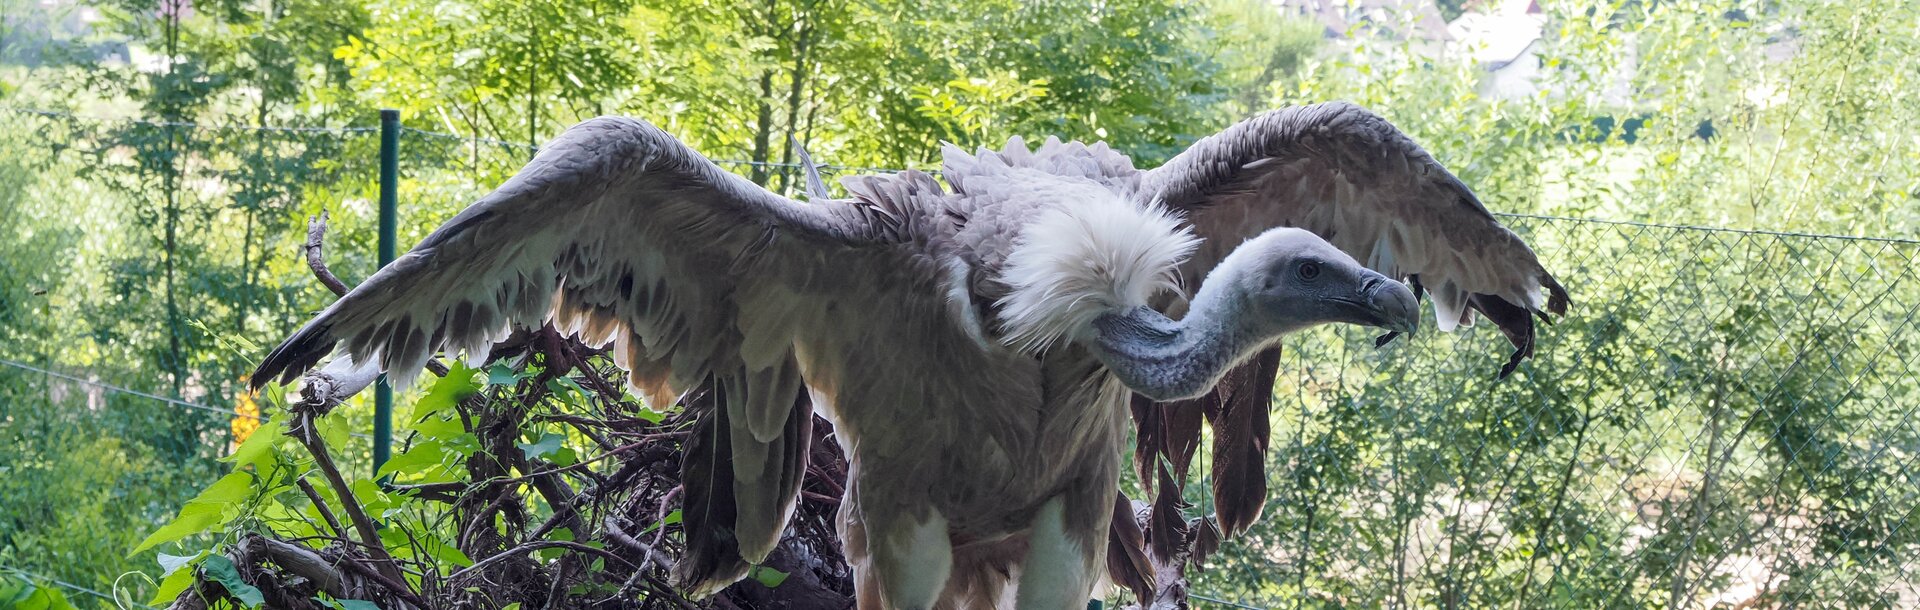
(1309, 270)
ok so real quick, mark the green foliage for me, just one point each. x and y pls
(1721, 405)
(18, 592)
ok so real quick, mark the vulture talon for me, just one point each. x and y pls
(1383, 340)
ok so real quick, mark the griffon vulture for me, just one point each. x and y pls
(974, 347)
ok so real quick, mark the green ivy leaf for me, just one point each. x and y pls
(672, 518)
(652, 416)
(219, 569)
(440, 427)
(548, 444)
(415, 460)
(767, 576)
(171, 564)
(333, 430)
(171, 586)
(438, 549)
(26, 595)
(501, 374)
(446, 391)
(258, 450)
(203, 511)
(567, 390)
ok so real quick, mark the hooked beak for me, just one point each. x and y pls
(1391, 304)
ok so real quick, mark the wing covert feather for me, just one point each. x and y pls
(623, 236)
(1352, 178)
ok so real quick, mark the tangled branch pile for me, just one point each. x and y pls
(534, 481)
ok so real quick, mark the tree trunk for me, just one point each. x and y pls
(763, 129)
(796, 90)
(169, 179)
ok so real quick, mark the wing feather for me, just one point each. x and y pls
(1352, 178)
(619, 234)
(1349, 176)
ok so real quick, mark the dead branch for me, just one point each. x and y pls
(319, 505)
(300, 561)
(317, 229)
(528, 547)
(310, 437)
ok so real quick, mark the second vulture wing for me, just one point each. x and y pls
(1354, 179)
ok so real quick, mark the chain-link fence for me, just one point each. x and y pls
(1724, 420)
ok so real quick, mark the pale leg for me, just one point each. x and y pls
(1059, 571)
(909, 560)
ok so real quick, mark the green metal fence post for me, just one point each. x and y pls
(389, 219)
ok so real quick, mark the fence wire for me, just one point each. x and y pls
(1724, 420)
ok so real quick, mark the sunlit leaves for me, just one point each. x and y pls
(218, 568)
(204, 511)
(19, 593)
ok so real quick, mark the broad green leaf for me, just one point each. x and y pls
(457, 385)
(652, 416)
(548, 443)
(170, 564)
(671, 519)
(419, 458)
(219, 569)
(36, 597)
(12, 590)
(230, 489)
(368, 494)
(438, 549)
(355, 604)
(258, 450)
(501, 374)
(566, 456)
(203, 511)
(193, 518)
(567, 390)
(440, 427)
(334, 431)
(170, 587)
(767, 576)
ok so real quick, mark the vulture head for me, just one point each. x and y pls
(1280, 281)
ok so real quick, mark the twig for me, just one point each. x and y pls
(303, 561)
(316, 234)
(820, 497)
(620, 536)
(317, 229)
(535, 545)
(320, 505)
(438, 492)
(397, 586)
(308, 436)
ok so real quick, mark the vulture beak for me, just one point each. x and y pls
(1391, 304)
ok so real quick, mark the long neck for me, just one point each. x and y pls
(1164, 359)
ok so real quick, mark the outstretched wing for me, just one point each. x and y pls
(1349, 176)
(621, 234)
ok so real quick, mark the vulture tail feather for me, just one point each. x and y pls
(1169, 431)
(1238, 416)
(707, 509)
(1127, 562)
